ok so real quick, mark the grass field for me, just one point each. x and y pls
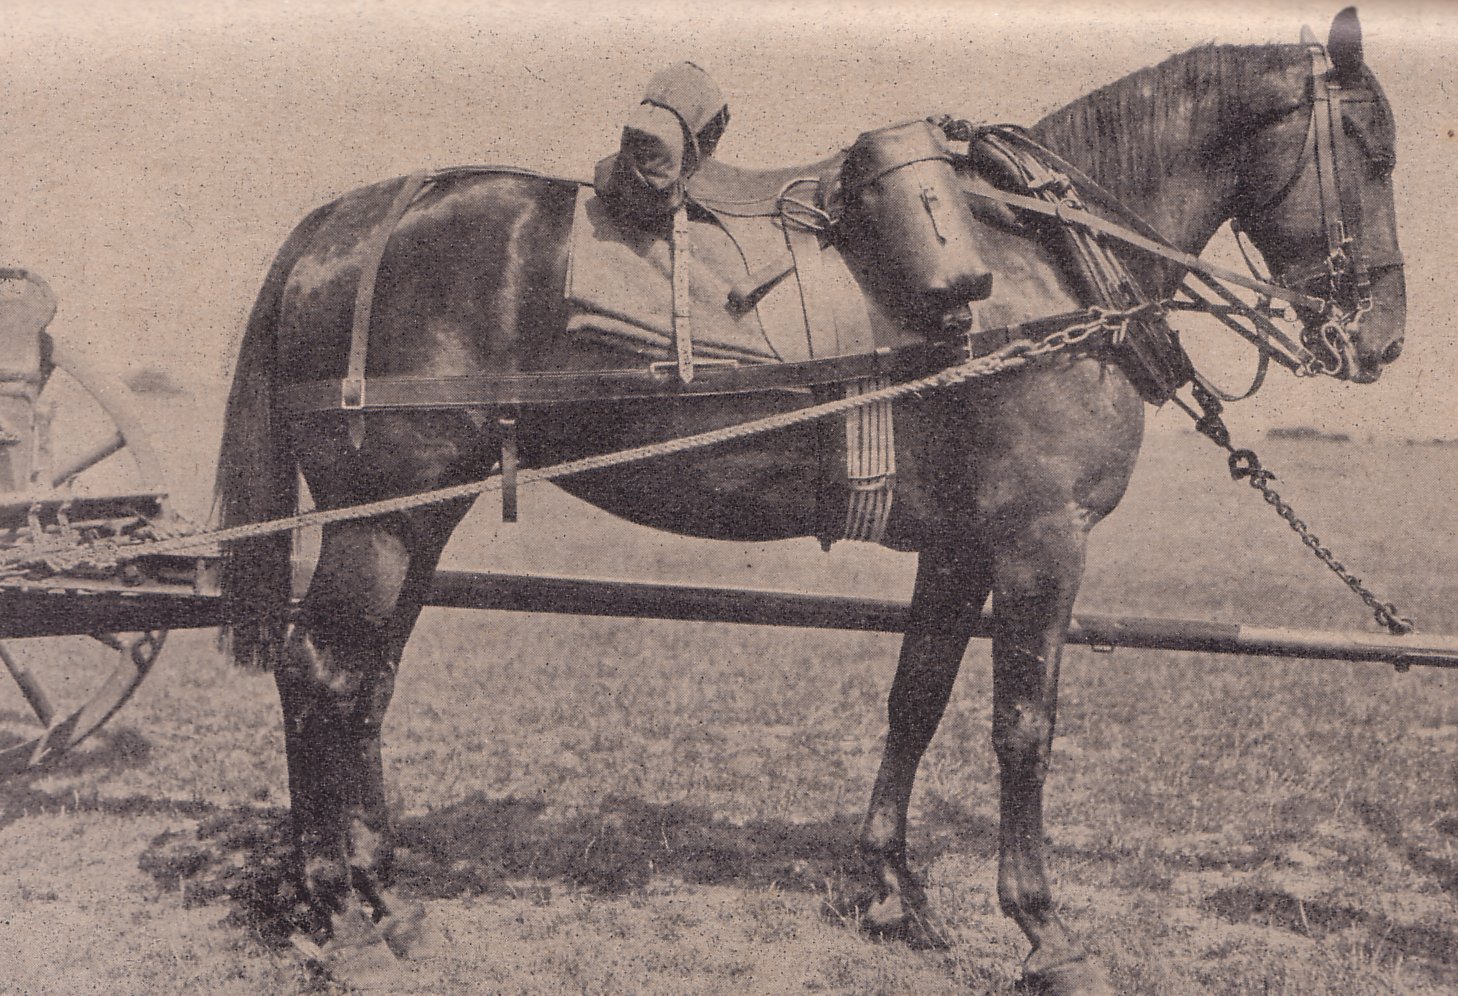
(605, 806)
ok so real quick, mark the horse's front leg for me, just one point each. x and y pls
(1036, 575)
(951, 587)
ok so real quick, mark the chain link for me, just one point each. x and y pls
(1245, 464)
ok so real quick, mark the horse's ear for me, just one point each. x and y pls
(1308, 37)
(1344, 45)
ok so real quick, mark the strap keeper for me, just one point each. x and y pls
(352, 393)
(506, 429)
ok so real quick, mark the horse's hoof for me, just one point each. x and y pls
(916, 932)
(356, 955)
(1080, 976)
(892, 917)
(409, 933)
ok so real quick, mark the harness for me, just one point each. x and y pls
(1338, 289)
(1341, 283)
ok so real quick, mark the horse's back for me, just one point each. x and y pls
(476, 258)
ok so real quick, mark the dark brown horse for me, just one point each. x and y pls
(998, 481)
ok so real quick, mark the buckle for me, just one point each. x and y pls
(352, 393)
(664, 368)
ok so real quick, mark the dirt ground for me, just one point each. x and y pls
(616, 806)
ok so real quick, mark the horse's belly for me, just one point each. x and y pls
(760, 488)
(745, 496)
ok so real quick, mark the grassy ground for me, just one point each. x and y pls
(607, 806)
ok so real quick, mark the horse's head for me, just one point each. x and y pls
(1316, 200)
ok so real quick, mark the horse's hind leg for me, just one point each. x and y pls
(946, 602)
(335, 683)
(1036, 574)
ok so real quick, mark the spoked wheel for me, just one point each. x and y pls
(90, 472)
(103, 670)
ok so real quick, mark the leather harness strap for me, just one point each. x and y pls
(1076, 216)
(836, 320)
(815, 300)
(683, 341)
(553, 387)
(352, 388)
(1343, 232)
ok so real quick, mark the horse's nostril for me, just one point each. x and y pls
(1392, 352)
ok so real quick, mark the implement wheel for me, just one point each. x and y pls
(104, 669)
(93, 473)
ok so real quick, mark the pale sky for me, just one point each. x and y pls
(158, 153)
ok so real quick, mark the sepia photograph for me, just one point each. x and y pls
(870, 497)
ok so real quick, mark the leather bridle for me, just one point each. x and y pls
(1337, 290)
(1342, 281)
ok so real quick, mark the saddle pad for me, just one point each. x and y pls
(619, 291)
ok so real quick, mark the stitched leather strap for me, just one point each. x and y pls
(870, 464)
(552, 387)
(352, 388)
(683, 339)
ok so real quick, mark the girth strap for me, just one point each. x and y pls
(870, 466)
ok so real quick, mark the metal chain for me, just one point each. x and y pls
(57, 558)
(1245, 464)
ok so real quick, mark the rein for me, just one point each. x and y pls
(1270, 341)
(1071, 215)
(1338, 289)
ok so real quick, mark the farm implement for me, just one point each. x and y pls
(121, 606)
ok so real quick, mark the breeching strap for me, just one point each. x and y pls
(351, 394)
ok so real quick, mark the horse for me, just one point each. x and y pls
(999, 481)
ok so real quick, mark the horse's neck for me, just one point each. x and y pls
(1187, 210)
(1172, 154)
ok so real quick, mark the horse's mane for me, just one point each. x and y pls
(1133, 133)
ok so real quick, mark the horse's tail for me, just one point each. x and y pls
(257, 479)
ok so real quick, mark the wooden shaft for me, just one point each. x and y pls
(586, 596)
(41, 613)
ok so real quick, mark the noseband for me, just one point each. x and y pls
(1342, 281)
